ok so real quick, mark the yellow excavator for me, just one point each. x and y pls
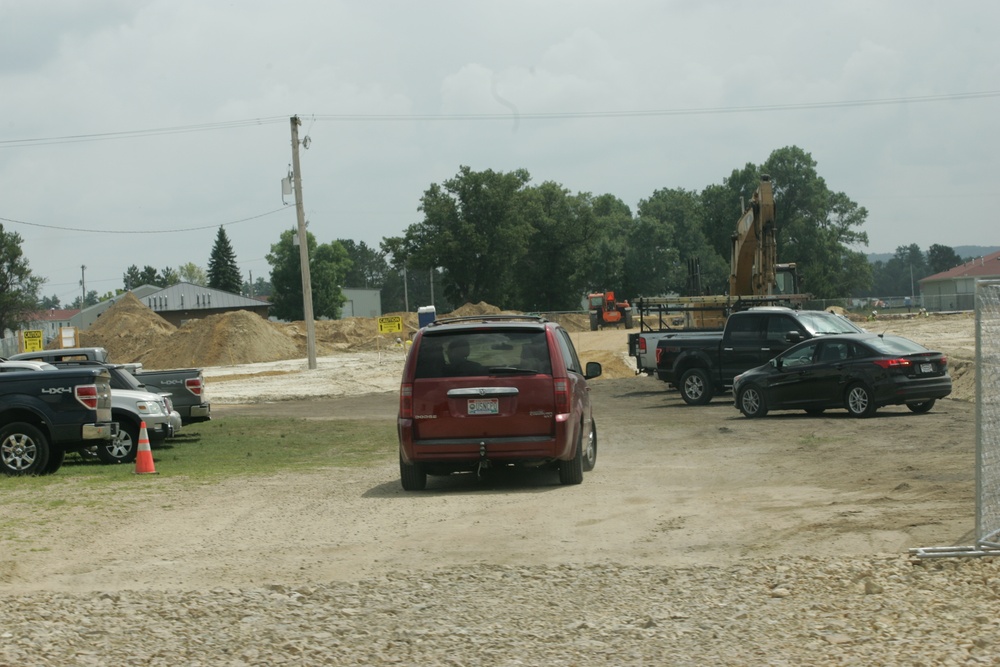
(755, 278)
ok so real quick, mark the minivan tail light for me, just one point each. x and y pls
(561, 388)
(194, 385)
(87, 395)
(406, 401)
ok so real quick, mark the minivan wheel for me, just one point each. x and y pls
(590, 451)
(412, 476)
(571, 472)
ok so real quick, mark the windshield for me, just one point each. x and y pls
(827, 323)
(462, 353)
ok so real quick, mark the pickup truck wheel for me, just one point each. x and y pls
(858, 401)
(56, 457)
(922, 407)
(24, 450)
(590, 451)
(123, 447)
(696, 389)
(571, 472)
(412, 476)
(751, 402)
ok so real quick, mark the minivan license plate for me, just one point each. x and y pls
(484, 406)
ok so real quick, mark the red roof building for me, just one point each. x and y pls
(955, 289)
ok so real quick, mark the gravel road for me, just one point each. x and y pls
(701, 537)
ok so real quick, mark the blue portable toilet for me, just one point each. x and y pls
(425, 315)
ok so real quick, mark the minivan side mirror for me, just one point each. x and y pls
(593, 370)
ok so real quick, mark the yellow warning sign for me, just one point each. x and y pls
(32, 341)
(390, 324)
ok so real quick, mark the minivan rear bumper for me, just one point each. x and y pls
(462, 451)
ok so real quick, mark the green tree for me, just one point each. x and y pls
(192, 273)
(552, 272)
(260, 287)
(328, 264)
(223, 272)
(940, 258)
(368, 265)
(133, 277)
(91, 300)
(476, 229)
(49, 303)
(817, 228)
(18, 286)
(605, 262)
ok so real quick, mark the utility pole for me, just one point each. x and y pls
(83, 287)
(307, 302)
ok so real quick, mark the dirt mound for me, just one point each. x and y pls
(128, 330)
(237, 337)
(472, 309)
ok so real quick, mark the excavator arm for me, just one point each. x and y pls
(755, 249)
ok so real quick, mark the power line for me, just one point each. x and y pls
(383, 118)
(140, 231)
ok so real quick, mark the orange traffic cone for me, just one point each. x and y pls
(144, 455)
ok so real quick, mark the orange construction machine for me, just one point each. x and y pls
(604, 310)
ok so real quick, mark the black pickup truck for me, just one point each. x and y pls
(186, 386)
(703, 364)
(46, 413)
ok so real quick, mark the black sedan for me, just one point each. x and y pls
(859, 372)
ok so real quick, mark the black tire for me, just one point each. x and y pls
(123, 447)
(24, 450)
(750, 401)
(571, 472)
(412, 476)
(859, 401)
(594, 320)
(815, 412)
(696, 388)
(628, 319)
(922, 407)
(56, 457)
(590, 450)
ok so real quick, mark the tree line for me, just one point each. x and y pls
(500, 238)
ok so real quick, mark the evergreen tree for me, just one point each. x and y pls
(223, 273)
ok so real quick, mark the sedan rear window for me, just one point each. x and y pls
(493, 352)
(889, 344)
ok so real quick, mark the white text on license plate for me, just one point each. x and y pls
(484, 406)
(926, 368)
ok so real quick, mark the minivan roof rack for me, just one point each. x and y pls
(489, 318)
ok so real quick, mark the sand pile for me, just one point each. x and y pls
(128, 330)
(237, 337)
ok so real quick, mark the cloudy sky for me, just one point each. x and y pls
(130, 130)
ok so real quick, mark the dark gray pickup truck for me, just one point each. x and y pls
(186, 386)
(46, 413)
(703, 364)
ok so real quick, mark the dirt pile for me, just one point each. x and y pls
(128, 329)
(237, 337)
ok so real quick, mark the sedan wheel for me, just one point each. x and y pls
(751, 402)
(859, 401)
(921, 407)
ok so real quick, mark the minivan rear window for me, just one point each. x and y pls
(493, 352)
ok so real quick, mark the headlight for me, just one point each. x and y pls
(149, 408)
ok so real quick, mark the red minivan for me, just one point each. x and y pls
(494, 390)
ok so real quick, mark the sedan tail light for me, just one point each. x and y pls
(898, 362)
(87, 395)
(406, 401)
